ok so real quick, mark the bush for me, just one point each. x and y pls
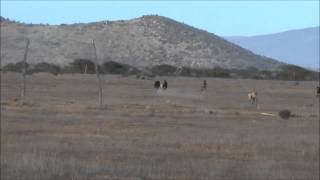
(15, 67)
(79, 66)
(112, 67)
(46, 67)
(186, 71)
(163, 70)
(266, 74)
(220, 72)
(250, 73)
(293, 72)
(285, 114)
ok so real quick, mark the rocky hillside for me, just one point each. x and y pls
(144, 41)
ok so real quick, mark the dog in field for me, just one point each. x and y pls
(253, 97)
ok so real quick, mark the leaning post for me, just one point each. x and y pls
(97, 73)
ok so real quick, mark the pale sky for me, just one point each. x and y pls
(224, 18)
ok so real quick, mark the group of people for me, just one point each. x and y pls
(252, 95)
(163, 85)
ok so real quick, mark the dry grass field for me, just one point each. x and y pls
(181, 133)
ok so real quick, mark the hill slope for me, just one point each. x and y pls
(145, 41)
(300, 47)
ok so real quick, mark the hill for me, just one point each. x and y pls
(142, 42)
(300, 47)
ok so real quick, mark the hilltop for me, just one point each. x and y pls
(141, 42)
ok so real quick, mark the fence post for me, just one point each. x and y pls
(24, 70)
(85, 68)
(97, 73)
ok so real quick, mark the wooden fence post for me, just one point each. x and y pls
(97, 73)
(85, 68)
(24, 70)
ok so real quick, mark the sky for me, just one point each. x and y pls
(224, 18)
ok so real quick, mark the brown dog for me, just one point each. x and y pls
(253, 97)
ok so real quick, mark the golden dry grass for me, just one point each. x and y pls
(139, 134)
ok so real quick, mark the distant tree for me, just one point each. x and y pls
(266, 74)
(220, 72)
(186, 71)
(111, 67)
(164, 69)
(82, 66)
(46, 67)
(15, 67)
(249, 72)
(293, 72)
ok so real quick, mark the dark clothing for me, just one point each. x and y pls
(156, 84)
(204, 86)
(165, 84)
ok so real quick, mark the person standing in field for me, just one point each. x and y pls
(165, 84)
(157, 84)
(204, 85)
